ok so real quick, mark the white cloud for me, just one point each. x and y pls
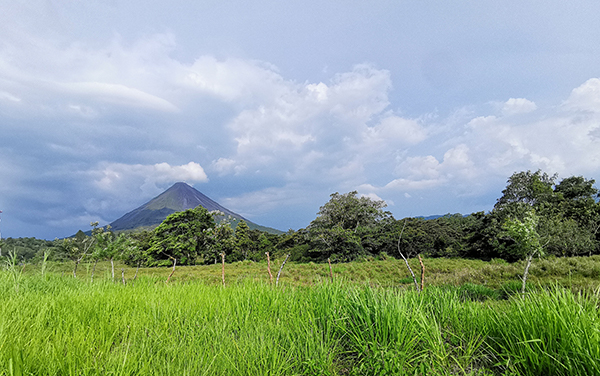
(585, 97)
(111, 176)
(299, 120)
(235, 79)
(394, 130)
(117, 94)
(9, 97)
(515, 106)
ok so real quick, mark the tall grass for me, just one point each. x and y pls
(60, 325)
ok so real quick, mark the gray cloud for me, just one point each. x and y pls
(95, 122)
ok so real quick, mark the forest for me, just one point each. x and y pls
(559, 218)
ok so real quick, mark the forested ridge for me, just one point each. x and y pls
(535, 215)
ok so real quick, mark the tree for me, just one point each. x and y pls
(568, 212)
(105, 248)
(79, 247)
(244, 246)
(181, 237)
(222, 241)
(577, 200)
(527, 240)
(349, 212)
(135, 249)
(340, 223)
(530, 188)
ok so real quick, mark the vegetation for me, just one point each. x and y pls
(62, 325)
(63, 311)
(349, 227)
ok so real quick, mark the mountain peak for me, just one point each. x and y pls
(179, 197)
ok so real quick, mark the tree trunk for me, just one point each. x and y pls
(75, 269)
(406, 261)
(280, 269)
(526, 273)
(330, 270)
(123, 276)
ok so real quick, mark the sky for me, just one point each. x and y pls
(269, 107)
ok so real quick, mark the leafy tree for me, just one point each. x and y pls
(337, 230)
(527, 240)
(244, 246)
(182, 236)
(530, 188)
(568, 212)
(222, 241)
(577, 199)
(135, 250)
(105, 248)
(348, 212)
(79, 247)
(265, 244)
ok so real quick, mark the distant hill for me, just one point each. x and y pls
(179, 197)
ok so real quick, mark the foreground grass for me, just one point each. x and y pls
(60, 325)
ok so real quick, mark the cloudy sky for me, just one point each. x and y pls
(268, 107)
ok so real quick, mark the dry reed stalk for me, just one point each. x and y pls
(94, 269)
(223, 268)
(330, 270)
(136, 271)
(280, 269)
(269, 267)
(422, 273)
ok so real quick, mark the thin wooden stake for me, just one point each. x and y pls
(123, 276)
(136, 272)
(330, 270)
(269, 267)
(223, 267)
(280, 269)
(173, 271)
(422, 273)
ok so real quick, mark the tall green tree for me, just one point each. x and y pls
(245, 247)
(222, 241)
(529, 188)
(341, 222)
(568, 212)
(181, 237)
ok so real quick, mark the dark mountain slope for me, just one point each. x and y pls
(179, 197)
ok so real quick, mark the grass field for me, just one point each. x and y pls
(366, 322)
(576, 273)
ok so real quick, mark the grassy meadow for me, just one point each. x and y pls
(470, 320)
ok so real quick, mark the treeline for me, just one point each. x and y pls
(563, 219)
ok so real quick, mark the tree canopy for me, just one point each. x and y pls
(182, 236)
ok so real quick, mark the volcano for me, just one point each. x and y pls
(179, 197)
